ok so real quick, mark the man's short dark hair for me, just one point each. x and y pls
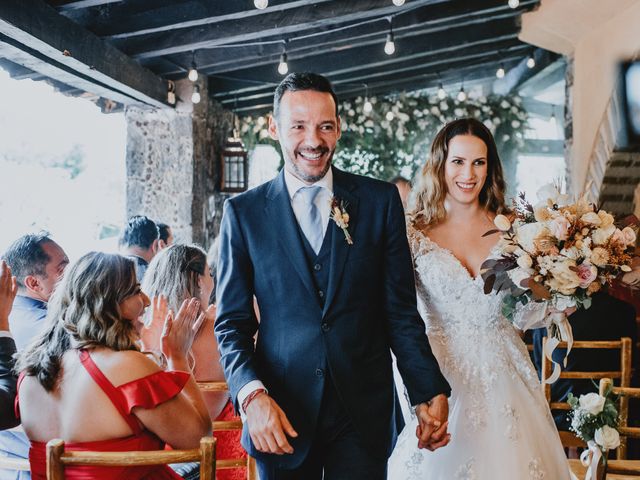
(164, 231)
(295, 82)
(140, 231)
(26, 256)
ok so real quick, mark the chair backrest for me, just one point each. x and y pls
(229, 425)
(623, 409)
(623, 375)
(58, 459)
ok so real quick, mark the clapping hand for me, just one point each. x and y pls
(178, 333)
(432, 423)
(8, 291)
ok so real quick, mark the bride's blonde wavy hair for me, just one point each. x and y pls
(84, 311)
(430, 197)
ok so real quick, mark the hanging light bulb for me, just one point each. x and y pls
(193, 73)
(389, 116)
(531, 62)
(442, 94)
(398, 3)
(283, 67)
(553, 119)
(390, 46)
(367, 107)
(195, 96)
(261, 4)
(462, 95)
(500, 72)
(514, 3)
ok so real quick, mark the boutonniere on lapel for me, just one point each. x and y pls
(341, 217)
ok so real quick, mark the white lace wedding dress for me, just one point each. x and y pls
(499, 421)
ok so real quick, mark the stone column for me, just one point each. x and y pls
(173, 164)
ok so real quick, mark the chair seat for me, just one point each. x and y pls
(616, 469)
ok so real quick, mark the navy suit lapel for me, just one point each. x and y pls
(281, 216)
(343, 191)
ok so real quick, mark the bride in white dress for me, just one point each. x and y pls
(499, 420)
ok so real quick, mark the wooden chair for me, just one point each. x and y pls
(621, 465)
(230, 425)
(569, 439)
(58, 459)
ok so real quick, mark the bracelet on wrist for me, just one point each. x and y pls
(252, 397)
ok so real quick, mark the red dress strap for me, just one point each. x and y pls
(112, 392)
(16, 402)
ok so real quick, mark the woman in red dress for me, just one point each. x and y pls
(175, 274)
(85, 381)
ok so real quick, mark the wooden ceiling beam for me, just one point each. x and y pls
(34, 35)
(279, 24)
(459, 29)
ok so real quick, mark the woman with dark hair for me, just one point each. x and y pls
(175, 274)
(84, 379)
(499, 420)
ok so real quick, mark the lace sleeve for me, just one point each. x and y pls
(530, 316)
(415, 237)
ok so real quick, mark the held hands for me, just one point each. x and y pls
(432, 423)
(8, 291)
(269, 426)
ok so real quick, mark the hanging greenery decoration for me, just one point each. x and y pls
(395, 136)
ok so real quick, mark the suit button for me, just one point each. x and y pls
(320, 293)
(319, 372)
(325, 327)
(317, 267)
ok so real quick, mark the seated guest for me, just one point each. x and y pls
(37, 263)
(88, 356)
(177, 273)
(139, 242)
(166, 236)
(404, 189)
(8, 290)
(607, 319)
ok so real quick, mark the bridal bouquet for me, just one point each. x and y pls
(556, 252)
(594, 418)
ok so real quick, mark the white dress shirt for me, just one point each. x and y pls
(323, 203)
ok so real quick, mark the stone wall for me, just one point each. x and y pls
(173, 164)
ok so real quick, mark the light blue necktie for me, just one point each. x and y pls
(310, 220)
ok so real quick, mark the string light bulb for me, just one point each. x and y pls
(195, 96)
(367, 107)
(514, 3)
(442, 94)
(500, 72)
(261, 4)
(390, 45)
(193, 73)
(531, 62)
(462, 95)
(398, 3)
(389, 116)
(283, 67)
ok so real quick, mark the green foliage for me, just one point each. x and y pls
(585, 424)
(396, 135)
(73, 161)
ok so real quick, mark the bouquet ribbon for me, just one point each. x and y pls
(559, 330)
(590, 458)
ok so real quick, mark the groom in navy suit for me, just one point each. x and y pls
(325, 254)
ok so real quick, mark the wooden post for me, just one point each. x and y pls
(208, 458)
(55, 468)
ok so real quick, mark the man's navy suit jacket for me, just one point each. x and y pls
(369, 308)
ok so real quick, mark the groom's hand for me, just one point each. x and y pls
(269, 426)
(432, 423)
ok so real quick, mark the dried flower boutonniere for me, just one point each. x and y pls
(341, 217)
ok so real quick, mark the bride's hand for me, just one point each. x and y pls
(432, 423)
